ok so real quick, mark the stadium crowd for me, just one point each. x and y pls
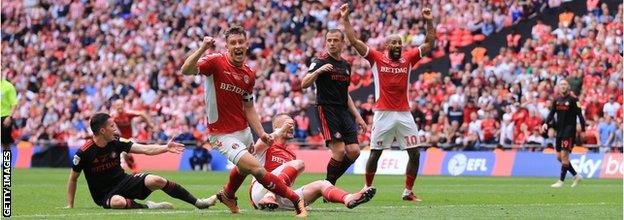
(70, 59)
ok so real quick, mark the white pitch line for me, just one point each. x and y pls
(311, 209)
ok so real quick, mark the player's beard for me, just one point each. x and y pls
(394, 53)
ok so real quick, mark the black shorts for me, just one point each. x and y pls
(6, 133)
(132, 187)
(566, 143)
(337, 123)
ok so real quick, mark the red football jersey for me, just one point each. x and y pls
(124, 123)
(226, 87)
(275, 156)
(392, 78)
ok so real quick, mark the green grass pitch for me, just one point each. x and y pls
(41, 194)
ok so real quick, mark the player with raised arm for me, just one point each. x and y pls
(392, 119)
(230, 109)
(123, 118)
(335, 108)
(109, 185)
(281, 161)
(562, 117)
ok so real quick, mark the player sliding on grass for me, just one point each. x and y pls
(279, 160)
(567, 108)
(109, 185)
(392, 119)
(230, 110)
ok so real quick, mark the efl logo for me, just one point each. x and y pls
(6, 183)
(460, 163)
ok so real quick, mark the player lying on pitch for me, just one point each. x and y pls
(282, 162)
(109, 185)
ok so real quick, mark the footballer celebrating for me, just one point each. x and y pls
(230, 109)
(109, 185)
(562, 117)
(281, 161)
(392, 119)
(336, 111)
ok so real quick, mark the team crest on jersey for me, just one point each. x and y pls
(76, 160)
(246, 79)
(337, 135)
(234, 146)
(311, 66)
(113, 154)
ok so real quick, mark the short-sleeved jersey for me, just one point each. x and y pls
(275, 156)
(124, 123)
(101, 166)
(566, 108)
(332, 88)
(226, 87)
(392, 78)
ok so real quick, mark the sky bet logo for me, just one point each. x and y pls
(459, 163)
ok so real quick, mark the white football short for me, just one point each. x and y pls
(257, 192)
(233, 145)
(390, 126)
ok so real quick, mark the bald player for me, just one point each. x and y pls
(562, 117)
(392, 119)
(282, 162)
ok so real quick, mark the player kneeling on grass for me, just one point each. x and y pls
(109, 185)
(282, 162)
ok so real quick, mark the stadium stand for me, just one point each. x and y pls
(70, 59)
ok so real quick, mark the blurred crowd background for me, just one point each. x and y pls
(69, 59)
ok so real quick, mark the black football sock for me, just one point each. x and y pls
(176, 191)
(564, 170)
(333, 168)
(344, 166)
(571, 169)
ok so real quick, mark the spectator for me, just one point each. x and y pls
(513, 39)
(535, 138)
(490, 129)
(302, 123)
(455, 113)
(566, 17)
(200, 160)
(550, 138)
(576, 82)
(487, 27)
(456, 59)
(606, 130)
(419, 117)
(478, 53)
(611, 108)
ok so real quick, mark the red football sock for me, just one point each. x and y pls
(235, 181)
(288, 175)
(277, 186)
(369, 178)
(334, 194)
(409, 181)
